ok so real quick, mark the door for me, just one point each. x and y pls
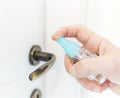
(21, 26)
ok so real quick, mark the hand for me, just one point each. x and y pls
(107, 62)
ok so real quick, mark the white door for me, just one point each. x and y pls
(21, 26)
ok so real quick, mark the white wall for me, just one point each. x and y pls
(102, 16)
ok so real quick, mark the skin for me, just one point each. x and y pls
(107, 62)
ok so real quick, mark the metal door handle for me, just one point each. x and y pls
(35, 56)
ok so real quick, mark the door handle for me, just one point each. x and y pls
(35, 56)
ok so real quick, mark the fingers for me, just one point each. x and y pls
(93, 66)
(90, 85)
(68, 63)
(103, 65)
(85, 82)
(93, 85)
(83, 34)
(72, 31)
(115, 88)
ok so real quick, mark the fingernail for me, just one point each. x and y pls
(73, 71)
(97, 90)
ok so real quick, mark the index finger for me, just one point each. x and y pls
(88, 38)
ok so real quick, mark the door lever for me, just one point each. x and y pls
(35, 56)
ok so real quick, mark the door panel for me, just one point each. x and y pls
(21, 26)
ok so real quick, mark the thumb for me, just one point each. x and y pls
(93, 66)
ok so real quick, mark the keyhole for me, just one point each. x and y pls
(36, 94)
